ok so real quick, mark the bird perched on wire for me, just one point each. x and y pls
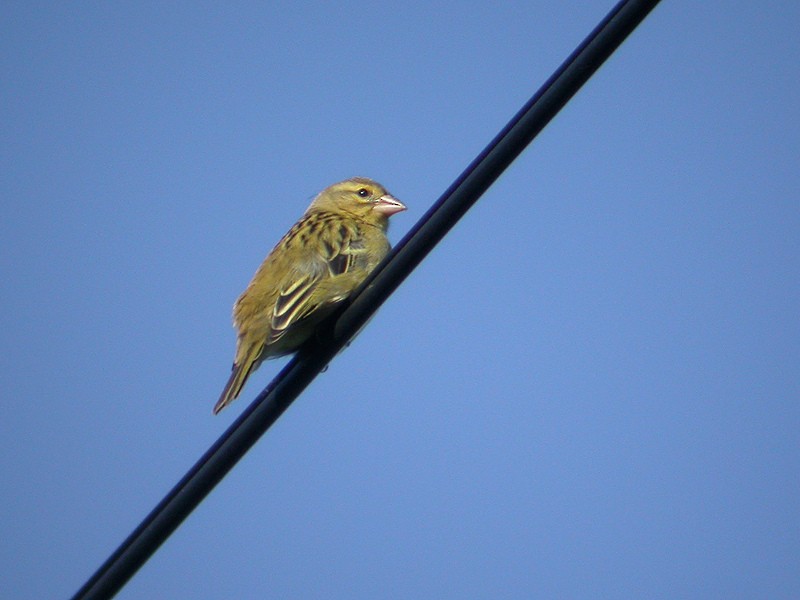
(320, 261)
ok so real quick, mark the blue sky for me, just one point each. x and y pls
(589, 389)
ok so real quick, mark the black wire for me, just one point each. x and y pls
(303, 368)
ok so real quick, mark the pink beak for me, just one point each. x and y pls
(388, 205)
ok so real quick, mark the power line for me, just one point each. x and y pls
(415, 246)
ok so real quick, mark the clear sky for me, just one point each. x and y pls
(591, 388)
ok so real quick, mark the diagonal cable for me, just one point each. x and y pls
(415, 246)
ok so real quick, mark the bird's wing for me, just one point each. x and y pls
(300, 297)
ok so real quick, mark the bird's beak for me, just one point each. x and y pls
(388, 205)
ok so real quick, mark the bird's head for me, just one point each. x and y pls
(361, 197)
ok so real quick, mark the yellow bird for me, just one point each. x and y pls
(320, 261)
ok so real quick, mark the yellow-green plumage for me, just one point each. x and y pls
(320, 261)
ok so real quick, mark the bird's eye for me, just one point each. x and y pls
(363, 192)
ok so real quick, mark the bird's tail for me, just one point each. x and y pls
(239, 374)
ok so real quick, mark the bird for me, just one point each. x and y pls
(317, 264)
